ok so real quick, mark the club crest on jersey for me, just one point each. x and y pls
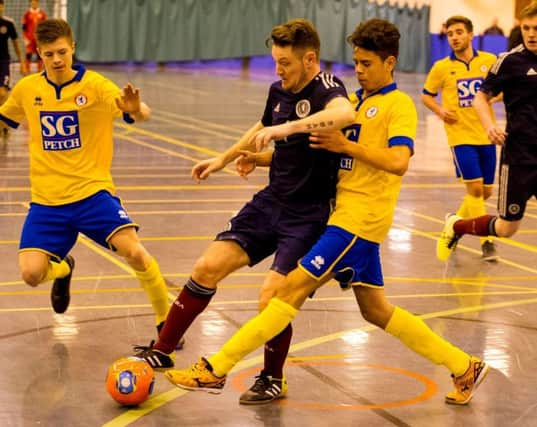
(466, 91)
(60, 130)
(302, 108)
(81, 100)
(3, 29)
(371, 112)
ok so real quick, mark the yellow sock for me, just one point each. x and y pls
(462, 211)
(261, 328)
(155, 288)
(56, 270)
(417, 336)
(475, 207)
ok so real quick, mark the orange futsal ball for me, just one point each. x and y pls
(130, 381)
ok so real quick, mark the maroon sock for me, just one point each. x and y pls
(480, 226)
(276, 352)
(191, 301)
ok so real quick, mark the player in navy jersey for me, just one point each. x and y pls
(7, 31)
(288, 215)
(514, 74)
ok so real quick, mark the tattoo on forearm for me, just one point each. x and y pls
(312, 126)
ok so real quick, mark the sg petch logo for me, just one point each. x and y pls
(466, 91)
(60, 130)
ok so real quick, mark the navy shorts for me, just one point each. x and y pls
(265, 226)
(475, 161)
(518, 183)
(54, 229)
(351, 259)
(4, 73)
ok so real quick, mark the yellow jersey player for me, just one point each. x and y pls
(376, 153)
(70, 113)
(458, 77)
(513, 75)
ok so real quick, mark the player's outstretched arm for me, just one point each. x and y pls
(130, 102)
(247, 161)
(203, 169)
(337, 114)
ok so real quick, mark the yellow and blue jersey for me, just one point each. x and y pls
(459, 82)
(366, 196)
(71, 134)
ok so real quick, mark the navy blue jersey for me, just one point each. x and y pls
(515, 74)
(298, 172)
(7, 31)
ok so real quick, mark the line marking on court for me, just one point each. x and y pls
(196, 127)
(196, 186)
(160, 137)
(185, 187)
(35, 292)
(130, 416)
(480, 283)
(431, 388)
(226, 128)
(163, 201)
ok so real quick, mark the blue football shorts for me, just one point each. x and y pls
(353, 261)
(475, 161)
(54, 229)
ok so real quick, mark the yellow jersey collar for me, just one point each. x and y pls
(454, 58)
(80, 70)
(382, 91)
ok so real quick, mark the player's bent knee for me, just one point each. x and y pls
(207, 271)
(377, 316)
(32, 277)
(264, 300)
(506, 228)
(135, 255)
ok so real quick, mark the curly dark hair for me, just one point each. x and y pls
(376, 35)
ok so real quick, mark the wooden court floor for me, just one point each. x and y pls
(341, 371)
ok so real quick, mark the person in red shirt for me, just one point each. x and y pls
(33, 16)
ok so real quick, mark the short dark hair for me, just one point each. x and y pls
(376, 35)
(50, 30)
(459, 19)
(529, 11)
(297, 33)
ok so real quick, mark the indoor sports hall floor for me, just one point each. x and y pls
(341, 372)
